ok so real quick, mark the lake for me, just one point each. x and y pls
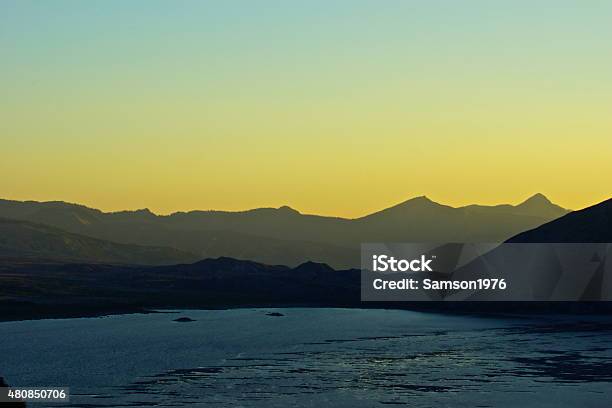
(314, 357)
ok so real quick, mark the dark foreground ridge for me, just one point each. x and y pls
(34, 290)
(51, 290)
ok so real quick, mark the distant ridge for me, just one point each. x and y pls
(23, 239)
(539, 205)
(421, 203)
(284, 236)
(16, 208)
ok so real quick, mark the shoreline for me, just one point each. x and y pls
(22, 311)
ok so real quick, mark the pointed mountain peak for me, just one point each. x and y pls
(411, 206)
(537, 198)
(420, 200)
(539, 205)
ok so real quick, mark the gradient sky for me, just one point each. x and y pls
(331, 107)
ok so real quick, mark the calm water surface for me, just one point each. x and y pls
(314, 357)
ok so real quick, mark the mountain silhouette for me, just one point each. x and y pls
(22, 239)
(32, 288)
(41, 288)
(284, 235)
(547, 269)
(538, 205)
(592, 224)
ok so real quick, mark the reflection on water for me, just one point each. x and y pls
(330, 357)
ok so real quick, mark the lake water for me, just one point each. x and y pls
(314, 357)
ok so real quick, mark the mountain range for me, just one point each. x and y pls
(267, 235)
(32, 289)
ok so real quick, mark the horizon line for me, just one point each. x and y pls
(288, 207)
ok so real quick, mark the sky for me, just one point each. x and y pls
(332, 107)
